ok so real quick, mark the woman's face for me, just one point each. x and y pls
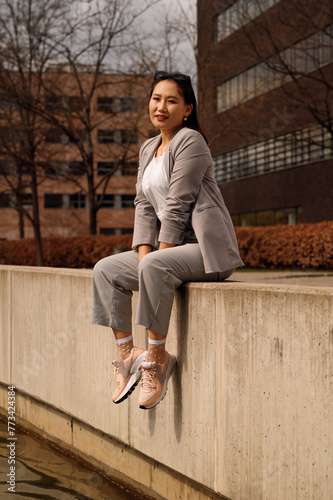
(167, 107)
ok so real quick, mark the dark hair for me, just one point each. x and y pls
(186, 91)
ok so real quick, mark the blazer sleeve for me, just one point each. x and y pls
(192, 159)
(145, 218)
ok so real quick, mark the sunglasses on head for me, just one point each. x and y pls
(175, 76)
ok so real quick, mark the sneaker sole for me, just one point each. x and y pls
(171, 366)
(133, 381)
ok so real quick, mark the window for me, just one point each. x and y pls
(105, 167)
(237, 15)
(5, 104)
(59, 136)
(27, 200)
(8, 168)
(116, 201)
(106, 201)
(9, 200)
(284, 151)
(76, 168)
(248, 219)
(235, 219)
(106, 137)
(266, 217)
(75, 103)
(261, 160)
(105, 104)
(127, 168)
(115, 230)
(6, 200)
(129, 105)
(305, 57)
(117, 137)
(14, 134)
(65, 168)
(127, 200)
(77, 200)
(53, 103)
(130, 169)
(117, 105)
(56, 136)
(129, 137)
(286, 216)
(63, 102)
(53, 201)
(251, 158)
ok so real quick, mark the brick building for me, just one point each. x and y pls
(107, 137)
(266, 101)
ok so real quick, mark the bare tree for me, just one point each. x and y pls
(36, 36)
(11, 168)
(298, 65)
(24, 55)
(169, 42)
(74, 120)
(176, 49)
(102, 36)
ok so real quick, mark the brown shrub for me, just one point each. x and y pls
(298, 246)
(76, 252)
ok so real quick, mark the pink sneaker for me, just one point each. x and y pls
(154, 381)
(128, 374)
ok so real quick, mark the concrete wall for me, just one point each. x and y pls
(248, 413)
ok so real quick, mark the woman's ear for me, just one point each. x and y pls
(188, 109)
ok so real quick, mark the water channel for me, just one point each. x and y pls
(44, 472)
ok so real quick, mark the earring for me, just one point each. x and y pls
(185, 118)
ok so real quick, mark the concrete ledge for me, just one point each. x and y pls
(104, 453)
(248, 414)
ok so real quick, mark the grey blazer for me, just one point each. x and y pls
(194, 201)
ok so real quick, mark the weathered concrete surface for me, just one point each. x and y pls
(248, 412)
(302, 278)
(5, 323)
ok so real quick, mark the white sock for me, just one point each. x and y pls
(124, 347)
(156, 351)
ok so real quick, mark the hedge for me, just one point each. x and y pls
(300, 246)
(73, 252)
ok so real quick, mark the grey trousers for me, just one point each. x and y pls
(156, 277)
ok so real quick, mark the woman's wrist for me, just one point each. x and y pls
(166, 245)
(144, 250)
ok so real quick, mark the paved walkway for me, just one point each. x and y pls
(300, 278)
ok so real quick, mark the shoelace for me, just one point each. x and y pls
(115, 371)
(147, 379)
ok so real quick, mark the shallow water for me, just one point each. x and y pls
(43, 472)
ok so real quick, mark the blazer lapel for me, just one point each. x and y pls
(149, 153)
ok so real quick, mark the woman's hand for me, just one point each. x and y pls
(165, 245)
(145, 249)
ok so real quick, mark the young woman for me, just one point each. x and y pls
(182, 232)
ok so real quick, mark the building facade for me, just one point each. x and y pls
(86, 137)
(266, 102)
